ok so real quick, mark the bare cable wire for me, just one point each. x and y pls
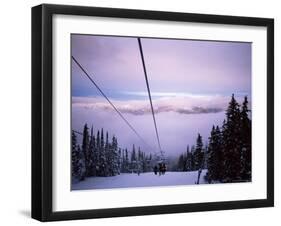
(149, 95)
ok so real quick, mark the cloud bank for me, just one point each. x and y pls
(179, 104)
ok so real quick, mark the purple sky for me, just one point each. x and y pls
(191, 83)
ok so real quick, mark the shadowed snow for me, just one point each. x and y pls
(126, 180)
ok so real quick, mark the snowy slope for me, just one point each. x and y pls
(143, 180)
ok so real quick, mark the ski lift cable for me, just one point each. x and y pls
(112, 105)
(149, 94)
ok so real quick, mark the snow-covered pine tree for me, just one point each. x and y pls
(223, 162)
(220, 152)
(145, 162)
(192, 158)
(107, 152)
(212, 157)
(119, 160)
(74, 158)
(214, 162)
(198, 153)
(188, 159)
(232, 143)
(122, 156)
(91, 170)
(205, 157)
(114, 156)
(85, 148)
(81, 164)
(127, 163)
(185, 161)
(139, 154)
(149, 163)
(139, 160)
(133, 165)
(246, 138)
(102, 156)
(97, 154)
(181, 163)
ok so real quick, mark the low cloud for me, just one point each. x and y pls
(182, 104)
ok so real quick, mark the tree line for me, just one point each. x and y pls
(193, 159)
(99, 156)
(227, 156)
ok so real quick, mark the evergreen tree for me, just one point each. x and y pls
(102, 156)
(184, 161)
(97, 155)
(215, 158)
(205, 156)
(123, 161)
(133, 160)
(212, 157)
(188, 159)
(81, 165)
(127, 163)
(145, 160)
(114, 157)
(107, 152)
(139, 160)
(119, 160)
(192, 158)
(133, 155)
(139, 154)
(181, 163)
(198, 153)
(85, 149)
(246, 140)
(75, 158)
(220, 153)
(91, 163)
(232, 143)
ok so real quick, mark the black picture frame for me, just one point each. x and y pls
(42, 111)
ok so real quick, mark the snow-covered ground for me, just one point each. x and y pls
(127, 180)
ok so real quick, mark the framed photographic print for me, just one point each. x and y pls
(145, 112)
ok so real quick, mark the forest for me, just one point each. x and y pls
(97, 156)
(227, 155)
